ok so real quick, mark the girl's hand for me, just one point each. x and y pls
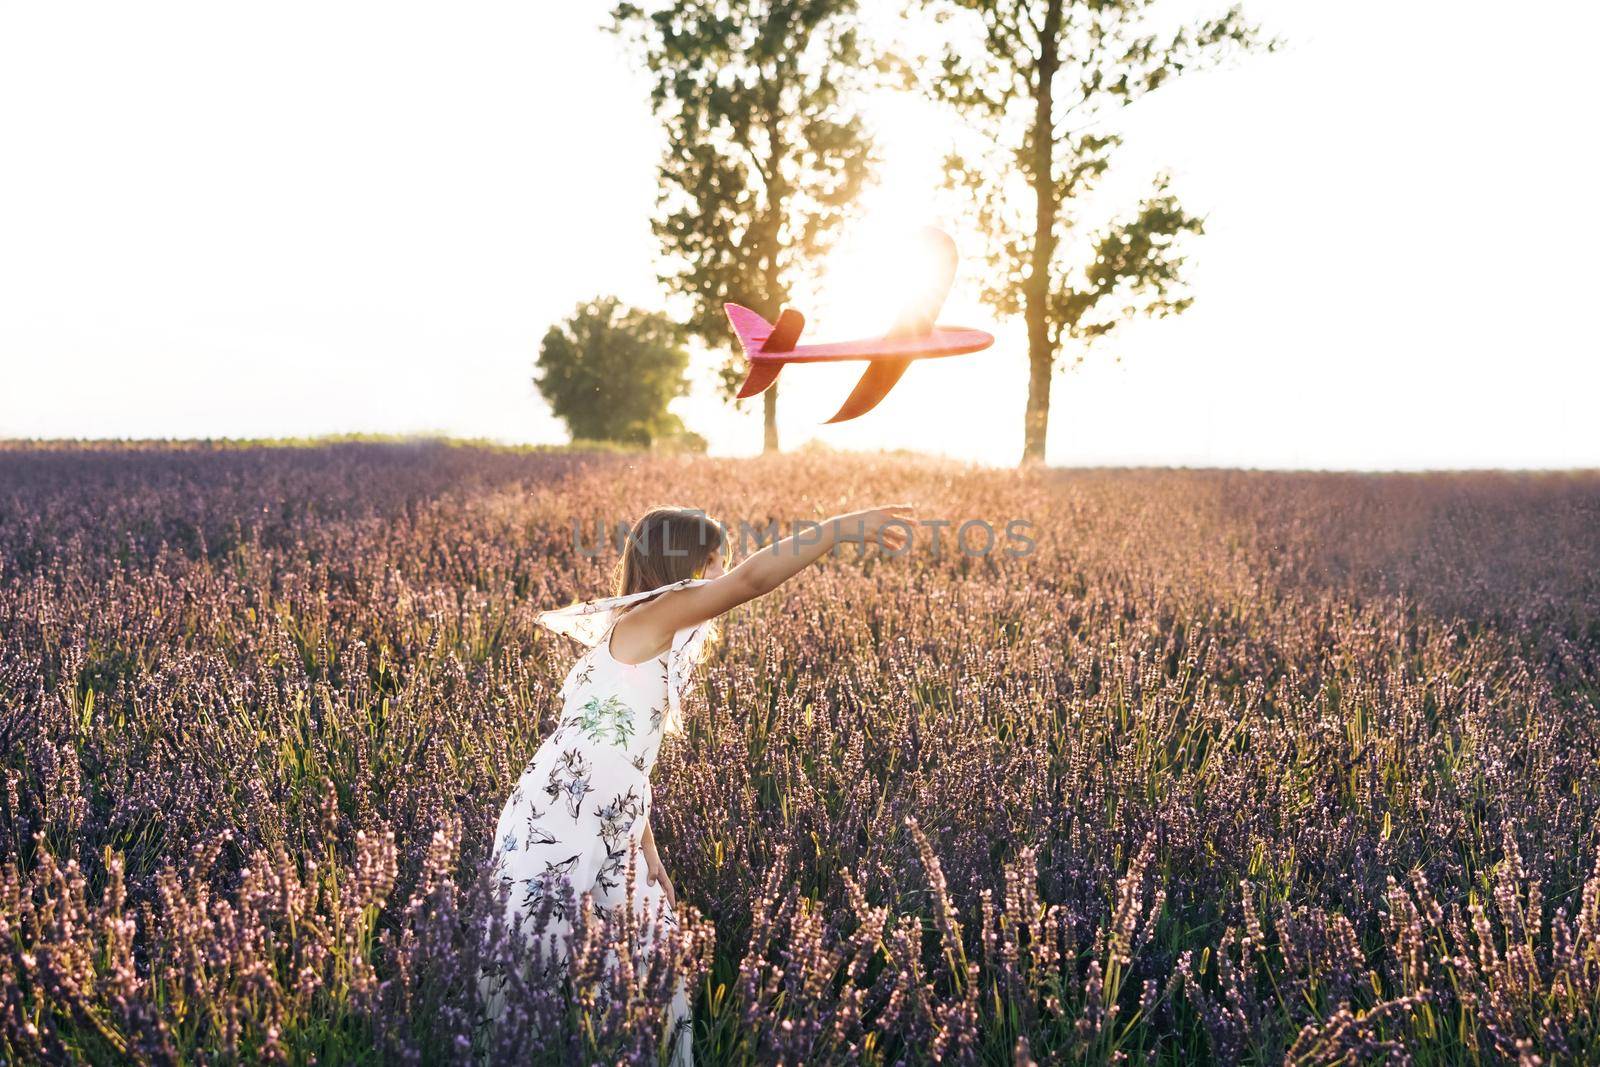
(654, 872)
(657, 875)
(888, 526)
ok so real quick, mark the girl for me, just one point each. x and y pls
(580, 812)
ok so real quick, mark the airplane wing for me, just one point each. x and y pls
(880, 377)
(941, 341)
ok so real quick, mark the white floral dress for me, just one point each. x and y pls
(580, 808)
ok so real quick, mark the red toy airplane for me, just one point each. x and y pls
(914, 336)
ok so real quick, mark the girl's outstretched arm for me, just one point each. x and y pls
(648, 628)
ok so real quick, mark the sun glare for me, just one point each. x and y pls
(873, 278)
(879, 266)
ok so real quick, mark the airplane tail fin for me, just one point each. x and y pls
(760, 337)
(760, 377)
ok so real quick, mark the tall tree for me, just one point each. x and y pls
(1041, 81)
(609, 372)
(766, 150)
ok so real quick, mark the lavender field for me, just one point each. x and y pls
(1230, 768)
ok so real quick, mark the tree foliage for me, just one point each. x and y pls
(609, 372)
(766, 149)
(1041, 82)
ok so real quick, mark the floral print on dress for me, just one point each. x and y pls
(584, 676)
(609, 721)
(617, 819)
(547, 884)
(569, 780)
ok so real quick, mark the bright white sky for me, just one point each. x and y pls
(221, 219)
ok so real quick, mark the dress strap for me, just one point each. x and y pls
(589, 621)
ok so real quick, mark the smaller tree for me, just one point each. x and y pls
(766, 151)
(609, 372)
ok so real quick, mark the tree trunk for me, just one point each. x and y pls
(1036, 304)
(769, 415)
(1036, 421)
(777, 205)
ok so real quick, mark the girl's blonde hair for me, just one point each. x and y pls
(667, 545)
